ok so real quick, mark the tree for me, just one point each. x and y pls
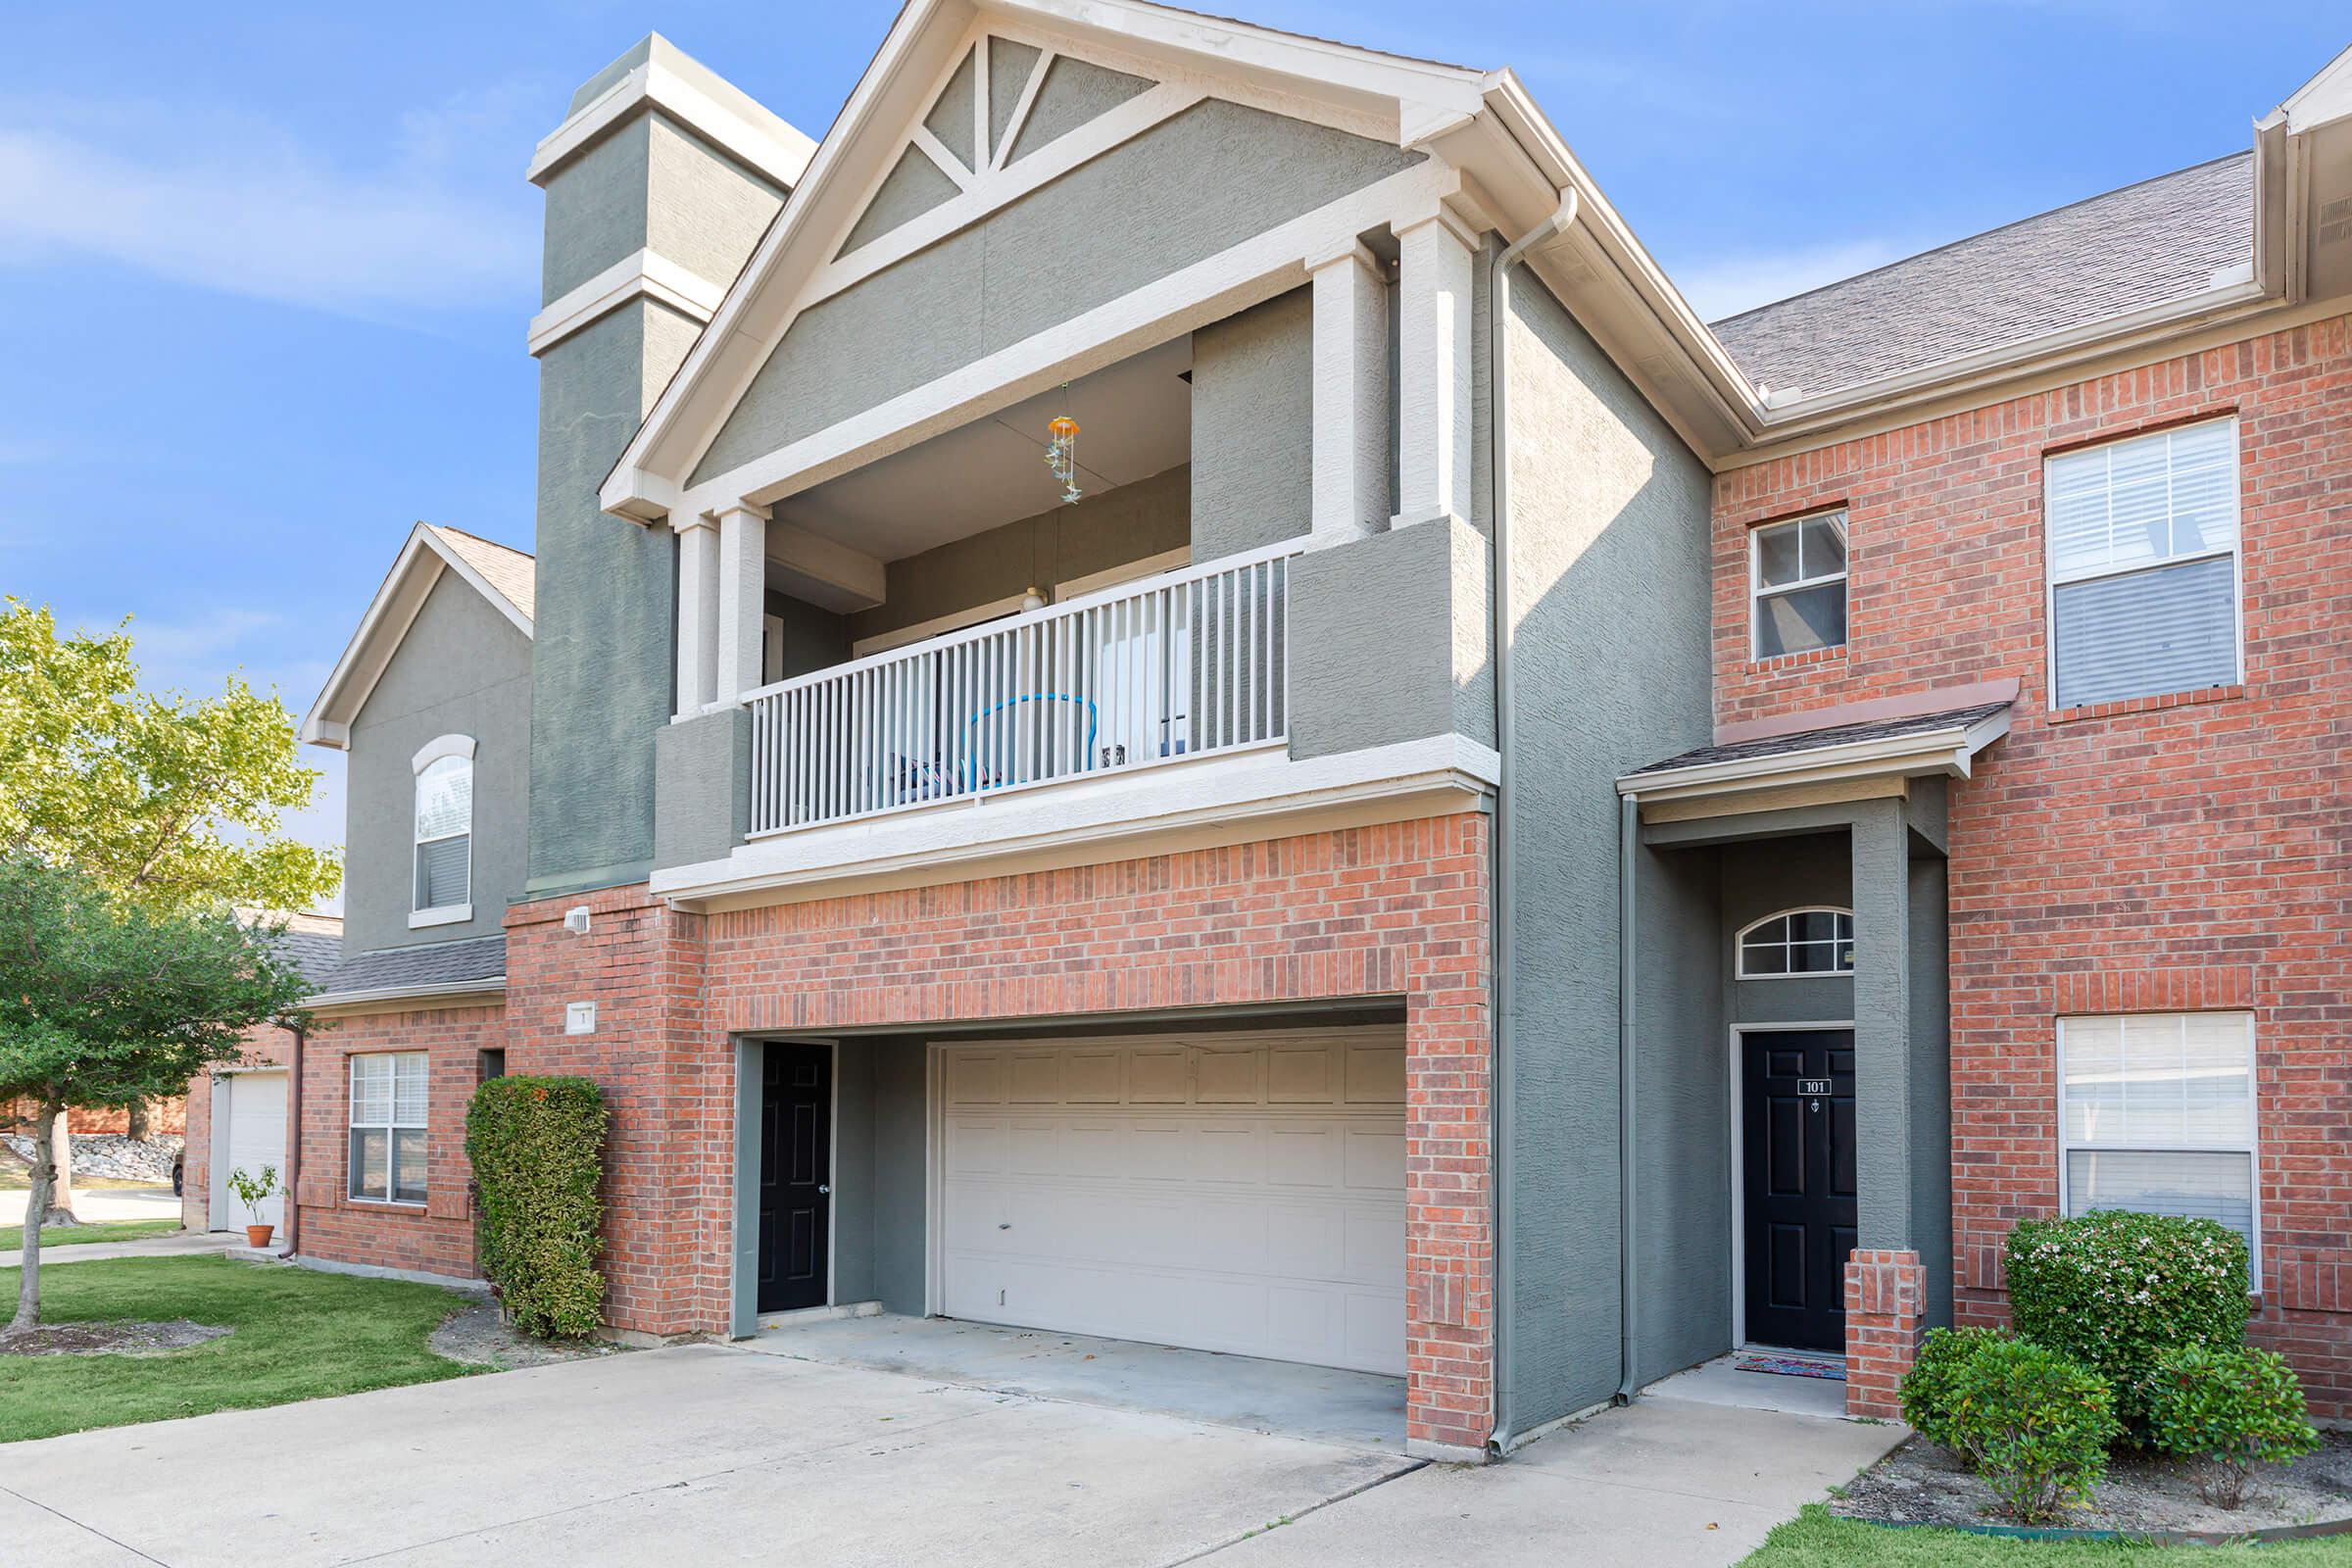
(103, 1000)
(171, 803)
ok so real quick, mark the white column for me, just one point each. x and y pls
(1433, 391)
(742, 597)
(698, 612)
(1351, 396)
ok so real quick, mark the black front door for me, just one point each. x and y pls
(1798, 1145)
(796, 1161)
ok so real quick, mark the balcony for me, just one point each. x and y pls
(1183, 665)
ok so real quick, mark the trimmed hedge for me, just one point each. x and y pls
(2231, 1410)
(2035, 1423)
(2116, 1291)
(537, 1146)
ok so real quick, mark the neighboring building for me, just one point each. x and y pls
(1490, 837)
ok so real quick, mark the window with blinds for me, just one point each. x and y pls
(388, 1101)
(2144, 566)
(444, 833)
(2157, 1116)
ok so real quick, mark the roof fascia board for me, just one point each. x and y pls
(2321, 101)
(777, 149)
(1949, 751)
(468, 992)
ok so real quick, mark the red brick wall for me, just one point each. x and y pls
(437, 1238)
(1379, 913)
(2162, 855)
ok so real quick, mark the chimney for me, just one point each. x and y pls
(658, 183)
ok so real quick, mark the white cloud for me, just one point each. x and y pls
(1727, 285)
(227, 202)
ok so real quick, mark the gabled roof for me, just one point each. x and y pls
(501, 575)
(2163, 240)
(476, 965)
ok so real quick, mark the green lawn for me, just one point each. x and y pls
(1816, 1539)
(300, 1335)
(12, 1240)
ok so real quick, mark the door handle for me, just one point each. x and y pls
(823, 1191)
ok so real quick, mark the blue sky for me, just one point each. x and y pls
(272, 264)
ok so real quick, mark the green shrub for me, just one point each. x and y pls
(537, 1147)
(2232, 1411)
(1931, 1387)
(2035, 1423)
(2117, 1290)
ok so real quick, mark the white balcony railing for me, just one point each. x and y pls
(1172, 667)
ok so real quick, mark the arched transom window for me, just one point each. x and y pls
(1799, 941)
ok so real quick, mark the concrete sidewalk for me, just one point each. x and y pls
(54, 1256)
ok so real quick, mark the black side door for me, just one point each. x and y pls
(1797, 1147)
(796, 1161)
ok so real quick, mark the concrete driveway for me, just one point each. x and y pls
(714, 1455)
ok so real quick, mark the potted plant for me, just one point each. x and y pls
(251, 1190)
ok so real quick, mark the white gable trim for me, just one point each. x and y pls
(382, 627)
(1330, 83)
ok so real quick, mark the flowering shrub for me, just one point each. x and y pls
(2231, 1410)
(1931, 1389)
(2033, 1423)
(2116, 1289)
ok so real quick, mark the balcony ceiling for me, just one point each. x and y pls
(1135, 420)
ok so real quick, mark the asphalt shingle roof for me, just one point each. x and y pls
(509, 571)
(2158, 240)
(439, 963)
(1812, 740)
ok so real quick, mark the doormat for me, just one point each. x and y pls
(1792, 1366)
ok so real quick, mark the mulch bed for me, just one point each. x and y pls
(109, 1338)
(480, 1337)
(1920, 1483)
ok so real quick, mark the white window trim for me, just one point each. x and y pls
(2253, 1147)
(1757, 592)
(2051, 581)
(1739, 945)
(431, 752)
(388, 1127)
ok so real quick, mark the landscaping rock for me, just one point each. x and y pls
(113, 1156)
(480, 1337)
(109, 1338)
(1920, 1483)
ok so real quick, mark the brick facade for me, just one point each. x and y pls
(1885, 1315)
(2168, 854)
(1379, 913)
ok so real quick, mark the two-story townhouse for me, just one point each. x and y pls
(1175, 695)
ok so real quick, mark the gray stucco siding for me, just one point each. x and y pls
(1612, 595)
(915, 185)
(1073, 92)
(1144, 210)
(701, 787)
(463, 668)
(704, 210)
(1388, 641)
(1253, 427)
(596, 208)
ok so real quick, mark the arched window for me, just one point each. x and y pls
(444, 831)
(1799, 941)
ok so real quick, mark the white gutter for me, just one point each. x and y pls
(454, 991)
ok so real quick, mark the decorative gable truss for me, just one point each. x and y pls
(1004, 101)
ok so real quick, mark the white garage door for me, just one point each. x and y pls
(255, 1123)
(1242, 1193)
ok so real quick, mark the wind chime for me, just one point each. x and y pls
(1061, 452)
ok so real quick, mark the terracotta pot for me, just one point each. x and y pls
(258, 1235)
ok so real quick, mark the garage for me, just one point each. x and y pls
(249, 1131)
(1234, 1193)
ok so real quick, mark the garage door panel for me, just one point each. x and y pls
(976, 1078)
(1269, 1221)
(255, 1136)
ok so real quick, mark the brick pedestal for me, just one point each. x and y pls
(1886, 1303)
